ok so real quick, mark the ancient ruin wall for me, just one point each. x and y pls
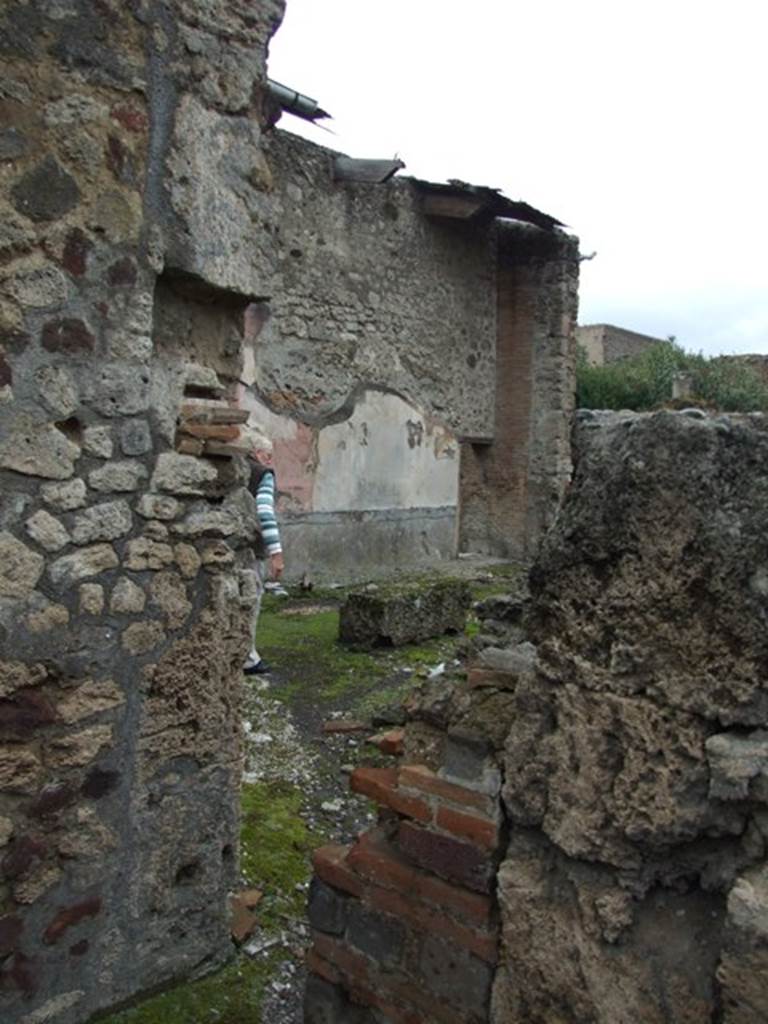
(370, 292)
(510, 490)
(577, 831)
(634, 883)
(122, 622)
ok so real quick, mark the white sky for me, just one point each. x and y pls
(642, 126)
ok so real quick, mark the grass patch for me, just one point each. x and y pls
(232, 995)
(275, 847)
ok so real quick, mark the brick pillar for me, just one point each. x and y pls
(509, 489)
(404, 921)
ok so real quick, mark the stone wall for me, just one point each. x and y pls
(605, 343)
(468, 322)
(122, 620)
(626, 859)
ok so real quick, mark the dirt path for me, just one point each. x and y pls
(295, 791)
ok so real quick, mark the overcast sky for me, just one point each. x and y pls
(643, 127)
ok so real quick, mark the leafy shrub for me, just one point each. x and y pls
(645, 381)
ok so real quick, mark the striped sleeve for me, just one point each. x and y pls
(265, 509)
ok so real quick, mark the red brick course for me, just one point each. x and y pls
(380, 784)
(405, 893)
(430, 921)
(330, 865)
(419, 777)
(370, 988)
(467, 826)
(378, 861)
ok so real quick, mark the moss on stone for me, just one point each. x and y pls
(231, 996)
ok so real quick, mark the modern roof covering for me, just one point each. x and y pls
(462, 201)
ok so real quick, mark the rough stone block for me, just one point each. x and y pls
(107, 521)
(455, 976)
(89, 562)
(20, 567)
(326, 908)
(404, 614)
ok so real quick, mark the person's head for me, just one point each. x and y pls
(258, 444)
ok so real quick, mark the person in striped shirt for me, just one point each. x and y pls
(261, 484)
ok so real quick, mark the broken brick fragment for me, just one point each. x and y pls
(70, 916)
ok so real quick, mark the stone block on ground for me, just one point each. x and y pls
(392, 616)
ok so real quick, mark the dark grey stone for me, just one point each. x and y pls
(46, 192)
(455, 976)
(466, 755)
(135, 437)
(13, 144)
(327, 908)
(379, 936)
(328, 1004)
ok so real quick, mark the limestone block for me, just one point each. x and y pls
(118, 390)
(187, 559)
(78, 749)
(47, 531)
(91, 598)
(39, 287)
(65, 496)
(403, 614)
(89, 562)
(20, 768)
(17, 675)
(107, 521)
(155, 530)
(217, 555)
(57, 390)
(127, 597)
(734, 761)
(141, 637)
(47, 617)
(158, 506)
(39, 450)
(31, 888)
(74, 109)
(90, 698)
(117, 215)
(182, 474)
(97, 441)
(117, 476)
(142, 553)
(170, 595)
(20, 567)
(210, 522)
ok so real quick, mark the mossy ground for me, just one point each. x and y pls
(315, 676)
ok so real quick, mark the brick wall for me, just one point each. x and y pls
(404, 921)
(510, 489)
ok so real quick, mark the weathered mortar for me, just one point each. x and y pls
(122, 625)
